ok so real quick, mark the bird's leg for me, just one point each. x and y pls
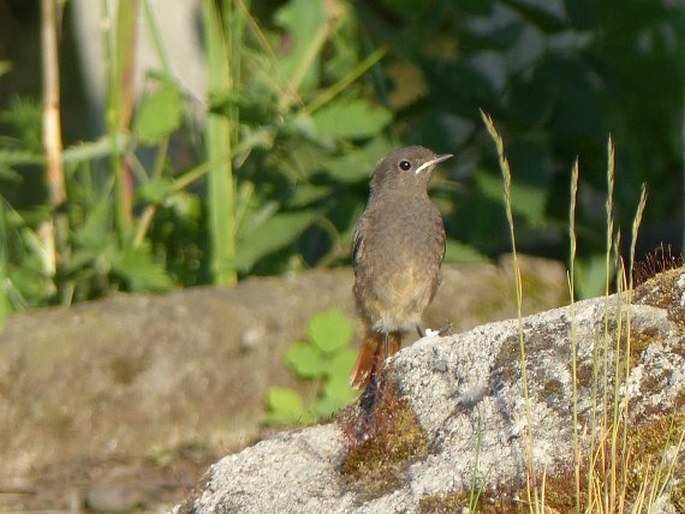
(385, 346)
(377, 376)
(420, 330)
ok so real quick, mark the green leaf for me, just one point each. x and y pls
(25, 115)
(330, 330)
(100, 148)
(302, 20)
(340, 366)
(19, 157)
(337, 385)
(340, 391)
(306, 360)
(96, 233)
(159, 113)
(140, 271)
(255, 106)
(285, 406)
(306, 194)
(155, 191)
(358, 165)
(351, 118)
(300, 159)
(273, 234)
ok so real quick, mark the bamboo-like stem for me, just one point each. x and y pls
(53, 232)
(222, 72)
(52, 134)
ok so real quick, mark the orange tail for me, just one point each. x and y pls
(370, 360)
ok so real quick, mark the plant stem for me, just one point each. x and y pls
(337, 88)
(120, 99)
(572, 294)
(54, 232)
(219, 141)
(155, 35)
(506, 176)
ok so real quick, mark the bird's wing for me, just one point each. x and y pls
(442, 237)
(358, 241)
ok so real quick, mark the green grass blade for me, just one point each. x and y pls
(637, 221)
(120, 58)
(360, 69)
(218, 146)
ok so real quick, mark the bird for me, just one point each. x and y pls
(397, 249)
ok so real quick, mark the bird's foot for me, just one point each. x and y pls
(429, 332)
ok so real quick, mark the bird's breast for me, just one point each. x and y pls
(396, 273)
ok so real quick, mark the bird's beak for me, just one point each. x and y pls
(433, 162)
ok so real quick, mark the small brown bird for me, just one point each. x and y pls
(398, 246)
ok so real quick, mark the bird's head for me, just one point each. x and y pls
(407, 168)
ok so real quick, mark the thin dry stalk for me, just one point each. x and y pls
(53, 232)
(533, 488)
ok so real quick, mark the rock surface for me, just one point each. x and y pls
(142, 393)
(466, 393)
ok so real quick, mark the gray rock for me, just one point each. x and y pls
(140, 375)
(467, 394)
(149, 390)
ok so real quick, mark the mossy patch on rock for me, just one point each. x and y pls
(649, 444)
(435, 504)
(495, 503)
(382, 443)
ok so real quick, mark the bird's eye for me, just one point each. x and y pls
(405, 165)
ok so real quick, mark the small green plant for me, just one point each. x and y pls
(326, 358)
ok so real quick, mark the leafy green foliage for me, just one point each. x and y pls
(286, 406)
(557, 81)
(352, 119)
(159, 114)
(324, 358)
(305, 99)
